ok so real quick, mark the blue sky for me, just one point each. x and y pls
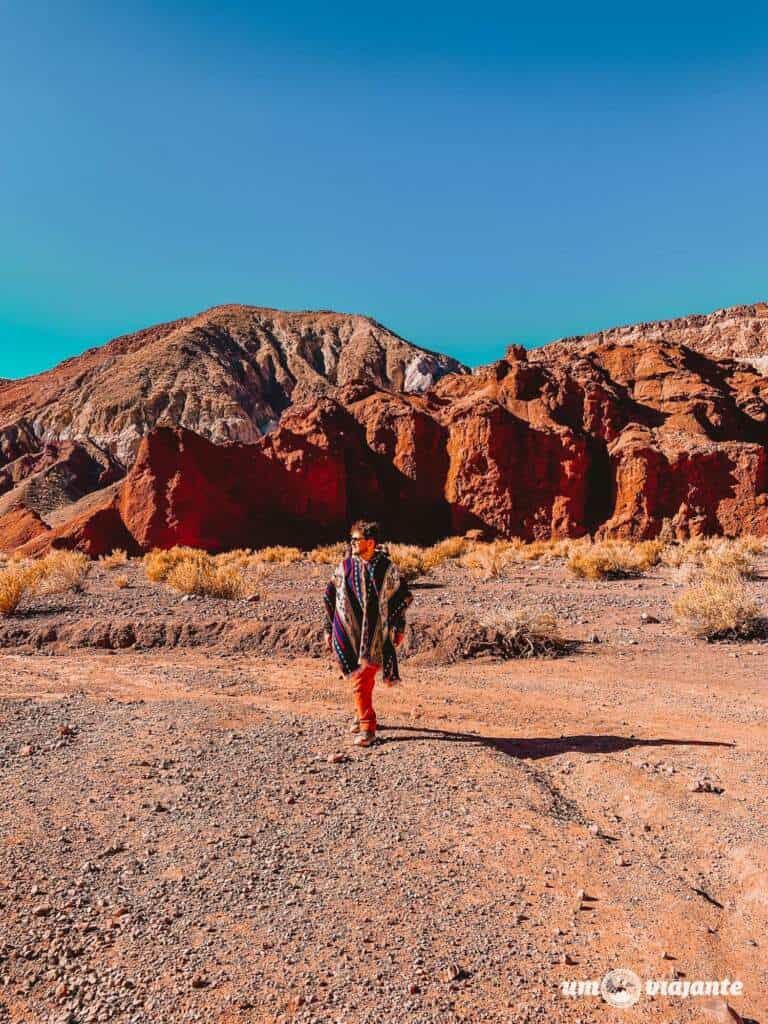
(468, 176)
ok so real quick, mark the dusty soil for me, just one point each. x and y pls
(186, 833)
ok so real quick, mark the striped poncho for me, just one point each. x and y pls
(365, 605)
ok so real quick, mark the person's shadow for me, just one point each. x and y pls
(541, 746)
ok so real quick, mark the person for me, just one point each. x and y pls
(365, 603)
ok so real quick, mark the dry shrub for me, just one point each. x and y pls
(328, 554)
(277, 553)
(727, 556)
(61, 571)
(159, 563)
(203, 577)
(121, 582)
(443, 550)
(114, 560)
(692, 551)
(521, 634)
(755, 546)
(16, 580)
(614, 560)
(491, 560)
(718, 606)
(409, 560)
(238, 558)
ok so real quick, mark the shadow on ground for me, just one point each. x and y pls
(543, 746)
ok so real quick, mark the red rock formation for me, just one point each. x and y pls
(19, 526)
(605, 437)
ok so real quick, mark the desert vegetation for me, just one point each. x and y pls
(194, 571)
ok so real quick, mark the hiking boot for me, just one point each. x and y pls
(365, 739)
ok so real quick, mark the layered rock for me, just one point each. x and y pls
(227, 374)
(607, 437)
(739, 332)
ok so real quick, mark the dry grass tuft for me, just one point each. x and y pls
(238, 558)
(114, 560)
(613, 560)
(443, 550)
(409, 560)
(328, 554)
(278, 553)
(61, 571)
(718, 606)
(490, 560)
(159, 563)
(203, 577)
(121, 582)
(16, 580)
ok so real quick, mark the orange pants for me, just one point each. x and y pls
(362, 687)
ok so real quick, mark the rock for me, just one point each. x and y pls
(337, 758)
(245, 425)
(25, 750)
(719, 1010)
(648, 620)
(200, 981)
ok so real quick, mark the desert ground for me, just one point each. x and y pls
(187, 833)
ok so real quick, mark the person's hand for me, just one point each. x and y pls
(328, 641)
(399, 637)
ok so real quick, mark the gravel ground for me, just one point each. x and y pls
(188, 835)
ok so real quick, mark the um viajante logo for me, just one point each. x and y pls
(623, 988)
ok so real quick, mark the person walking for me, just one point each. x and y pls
(365, 603)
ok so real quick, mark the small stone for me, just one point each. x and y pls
(26, 750)
(66, 730)
(720, 1011)
(337, 758)
(199, 981)
(414, 989)
(454, 973)
(42, 910)
(568, 959)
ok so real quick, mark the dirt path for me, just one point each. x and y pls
(518, 826)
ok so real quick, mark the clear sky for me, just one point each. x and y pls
(470, 176)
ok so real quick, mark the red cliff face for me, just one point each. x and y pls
(607, 437)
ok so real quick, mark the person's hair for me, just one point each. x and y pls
(371, 531)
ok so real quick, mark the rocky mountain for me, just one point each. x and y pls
(226, 374)
(740, 332)
(611, 441)
(610, 436)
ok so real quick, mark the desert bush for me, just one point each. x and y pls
(114, 560)
(16, 580)
(692, 552)
(121, 582)
(327, 554)
(752, 545)
(277, 553)
(726, 556)
(409, 560)
(62, 571)
(609, 560)
(159, 562)
(203, 577)
(238, 558)
(491, 560)
(520, 634)
(443, 550)
(718, 606)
